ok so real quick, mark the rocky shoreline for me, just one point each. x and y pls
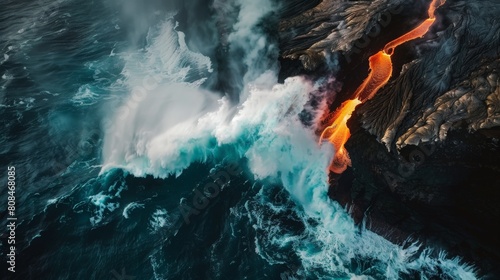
(425, 149)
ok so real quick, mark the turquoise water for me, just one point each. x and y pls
(153, 140)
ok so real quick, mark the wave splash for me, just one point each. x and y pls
(177, 123)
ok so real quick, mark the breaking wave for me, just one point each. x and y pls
(170, 121)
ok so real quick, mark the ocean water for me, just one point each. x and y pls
(152, 140)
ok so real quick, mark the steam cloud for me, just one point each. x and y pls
(180, 122)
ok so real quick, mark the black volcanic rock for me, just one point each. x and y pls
(454, 80)
(425, 150)
(347, 28)
(446, 194)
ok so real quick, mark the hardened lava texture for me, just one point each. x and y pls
(425, 148)
(453, 83)
(450, 79)
(334, 26)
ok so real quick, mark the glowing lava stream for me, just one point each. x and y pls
(380, 72)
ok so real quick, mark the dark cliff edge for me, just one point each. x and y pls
(425, 150)
(445, 195)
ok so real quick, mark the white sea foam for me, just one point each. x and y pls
(177, 123)
(160, 219)
(85, 96)
(130, 208)
(102, 204)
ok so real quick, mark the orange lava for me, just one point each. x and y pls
(338, 133)
(380, 72)
(434, 5)
(415, 33)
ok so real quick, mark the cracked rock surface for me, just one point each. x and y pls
(425, 148)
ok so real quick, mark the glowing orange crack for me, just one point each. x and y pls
(434, 5)
(380, 72)
(418, 32)
(338, 133)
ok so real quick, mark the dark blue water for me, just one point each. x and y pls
(66, 66)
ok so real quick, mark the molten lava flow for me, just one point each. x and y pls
(434, 6)
(415, 33)
(380, 72)
(418, 32)
(338, 133)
